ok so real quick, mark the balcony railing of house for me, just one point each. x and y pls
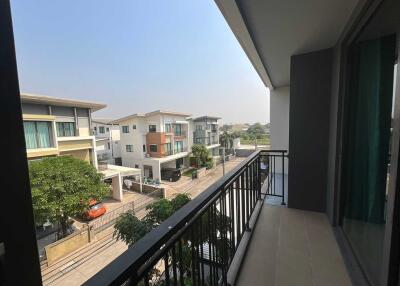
(273, 168)
(179, 133)
(180, 150)
(198, 243)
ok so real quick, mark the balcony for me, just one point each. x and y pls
(232, 224)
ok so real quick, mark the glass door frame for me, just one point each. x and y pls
(391, 251)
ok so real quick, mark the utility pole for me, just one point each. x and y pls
(223, 161)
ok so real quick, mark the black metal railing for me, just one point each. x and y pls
(196, 245)
(273, 172)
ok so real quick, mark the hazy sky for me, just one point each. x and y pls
(137, 56)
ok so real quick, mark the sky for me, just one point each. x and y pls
(137, 56)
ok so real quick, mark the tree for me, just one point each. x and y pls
(201, 153)
(130, 229)
(62, 187)
(256, 130)
(226, 140)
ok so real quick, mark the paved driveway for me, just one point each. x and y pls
(196, 186)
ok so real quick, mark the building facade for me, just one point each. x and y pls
(206, 132)
(107, 141)
(155, 140)
(56, 126)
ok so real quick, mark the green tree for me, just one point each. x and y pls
(226, 140)
(130, 229)
(256, 130)
(62, 187)
(201, 153)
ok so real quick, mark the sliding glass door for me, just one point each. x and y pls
(366, 165)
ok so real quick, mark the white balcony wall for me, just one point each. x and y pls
(279, 114)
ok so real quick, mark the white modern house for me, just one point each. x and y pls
(107, 141)
(206, 132)
(155, 140)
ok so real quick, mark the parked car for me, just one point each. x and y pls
(95, 210)
(170, 174)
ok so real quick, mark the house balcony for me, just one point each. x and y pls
(238, 231)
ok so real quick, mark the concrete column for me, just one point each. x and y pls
(156, 170)
(117, 187)
(279, 132)
(94, 153)
(76, 123)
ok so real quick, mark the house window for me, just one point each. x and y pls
(199, 127)
(107, 129)
(108, 145)
(153, 148)
(38, 134)
(133, 126)
(178, 130)
(144, 148)
(152, 128)
(168, 149)
(136, 166)
(101, 129)
(168, 128)
(178, 146)
(125, 129)
(65, 129)
(129, 148)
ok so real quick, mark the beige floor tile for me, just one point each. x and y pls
(293, 247)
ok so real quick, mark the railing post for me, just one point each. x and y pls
(283, 179)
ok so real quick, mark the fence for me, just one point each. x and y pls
(197, 244)
(272, 174)
(109, 218)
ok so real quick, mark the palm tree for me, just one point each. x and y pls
(226, 140)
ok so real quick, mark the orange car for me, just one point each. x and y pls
(96, 209)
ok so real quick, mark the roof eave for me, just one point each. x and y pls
(233, 17)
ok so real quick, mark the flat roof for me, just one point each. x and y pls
(105, 121)
(205, 117)
(57, 101)
(143, 115)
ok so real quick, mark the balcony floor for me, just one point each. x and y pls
(293, 247)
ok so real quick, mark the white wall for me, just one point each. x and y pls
(279, 112)
(279, 104)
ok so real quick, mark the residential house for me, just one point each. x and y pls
(107, 141)
(56, 126)
(155, 140)
(206, 132)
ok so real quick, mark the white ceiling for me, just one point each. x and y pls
(282, 28)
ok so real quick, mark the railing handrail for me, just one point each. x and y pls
(121, 269)
(274, 151)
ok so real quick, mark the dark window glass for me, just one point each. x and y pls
(178, 130)
(168, 128)
(65, 129)
(125, 129)
(152, 128)
(153, 148)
